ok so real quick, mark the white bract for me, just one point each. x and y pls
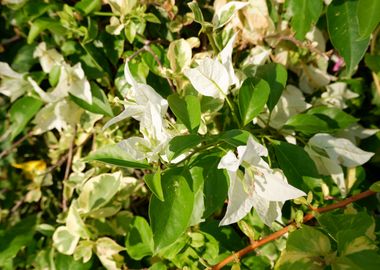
(290, 103)
(330, 153)
(48, 58)
(12, 84)
(259, 186)
(356, 132)
(336, 95)
(146, 106)
(56, 115)
(71, 80)
(213, 77)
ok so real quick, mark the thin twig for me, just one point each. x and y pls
(274, 236)
(133, 55)
(298, 43)
(65, 157)
(68, 166)
(149, 50)
(70, 156)
(15, 144)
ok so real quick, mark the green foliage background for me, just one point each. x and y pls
(300, 74)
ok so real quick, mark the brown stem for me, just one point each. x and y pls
(15, 144)
(68, 166)
(66, 156)
(298, 43)
(70, 155)
(284, 230)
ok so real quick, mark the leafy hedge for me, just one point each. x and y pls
(185, 135)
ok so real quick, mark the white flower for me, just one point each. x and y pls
(257, 56)
(48, 58)
(12, 84)
(146, 106)
(71, 80)
(225, 57)
(57, 116)
(259, 186)
(290, 103)
(213, 77)
(210, 78)
(330, 153)
(140, 97)
(336, 95)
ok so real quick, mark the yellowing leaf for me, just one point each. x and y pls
(31, 168)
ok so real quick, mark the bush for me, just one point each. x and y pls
(184, 135)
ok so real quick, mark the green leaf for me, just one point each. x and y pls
(153, 182)
(169, 219)
(317, 242)
(334, 223)
(100, 104)
(375, 186)
(88, 6)
(305, 249)
(198, 16)
(215, 182)
(307, 124)
(187, 109)
(365, 260)
(64, 262)
(373, 62)
(54, 75)
(234, 137)
(295, 163)
(335, 117)
(253, 96)
(179, 55)
(21, 112)
(352, 241)
(343, 27)
(113, 154)
(64, 240)
(369, 16)
(276, 76)
(305, 14)
(98, 57)
(180, 144)
(113, 46)
(139, 239)
(15, 238)
(24, 59)
(226, 12)
(98, 191)
(41, 24)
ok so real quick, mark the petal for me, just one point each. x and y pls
(267, 210)
(130, 111)
(210, 78)
(229, 162)
(128, 75)
(341, 150)
(271, 185)
(253, 152)
(239, 201)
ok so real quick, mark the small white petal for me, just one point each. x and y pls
(271, 185)
(229, 162)
(239, 201)
(210, 78)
